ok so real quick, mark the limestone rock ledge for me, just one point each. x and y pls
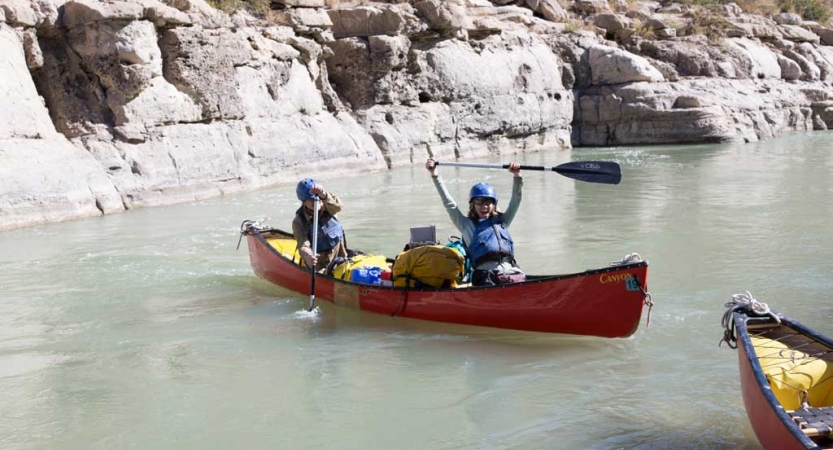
(117, 104)
(697, 111)
(44, 177)
(124, 104)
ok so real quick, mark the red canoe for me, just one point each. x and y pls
(786, 376)
(604, 302)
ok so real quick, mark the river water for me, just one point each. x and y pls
(147, 330)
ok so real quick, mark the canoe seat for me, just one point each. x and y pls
(814, 421)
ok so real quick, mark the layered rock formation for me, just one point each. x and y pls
(122, 104)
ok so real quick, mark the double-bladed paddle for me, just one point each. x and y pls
(590, 171)
(314, 253)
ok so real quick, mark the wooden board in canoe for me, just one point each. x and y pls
(605, 302)
(786, 376)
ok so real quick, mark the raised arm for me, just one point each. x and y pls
(457, 217)
(517, 194)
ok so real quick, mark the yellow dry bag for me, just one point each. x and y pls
(428, 265)
(286, 247)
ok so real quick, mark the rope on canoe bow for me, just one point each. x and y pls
(647, 299)
(746, 303)
(628, 259)
(247, 226)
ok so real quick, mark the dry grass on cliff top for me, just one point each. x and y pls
(258, 7)
(817, 10)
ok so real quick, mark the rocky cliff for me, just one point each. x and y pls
(122, 104)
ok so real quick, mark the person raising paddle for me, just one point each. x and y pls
(330, 241)
(485, 230)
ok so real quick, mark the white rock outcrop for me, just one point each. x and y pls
(44, 177)
(610, 65)
(693, 111)
(133, 103)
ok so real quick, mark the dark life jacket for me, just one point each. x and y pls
(491, 241)
(330, 232)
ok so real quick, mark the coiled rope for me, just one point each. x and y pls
(247, 226)
(746, 303)
(628, 259)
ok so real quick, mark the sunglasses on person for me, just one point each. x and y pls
(480, 201)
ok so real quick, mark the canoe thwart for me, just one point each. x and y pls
(762, 326)
(814, 421)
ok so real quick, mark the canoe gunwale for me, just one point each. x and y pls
(259, 234)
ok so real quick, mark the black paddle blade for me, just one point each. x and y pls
(591, 171)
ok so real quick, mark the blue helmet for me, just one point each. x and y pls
(303, 189)
(482, 190)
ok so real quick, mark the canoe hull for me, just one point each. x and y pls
(600, 302)
(772, 425)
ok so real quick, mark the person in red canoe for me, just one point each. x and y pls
(330, 233)
(485, 230)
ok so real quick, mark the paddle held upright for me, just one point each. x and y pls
(314, 253)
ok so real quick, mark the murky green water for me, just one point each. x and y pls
(147, 330)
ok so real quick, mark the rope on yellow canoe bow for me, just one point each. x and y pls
(741, 302)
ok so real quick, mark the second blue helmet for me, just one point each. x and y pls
(303, 189)
(483, 190)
